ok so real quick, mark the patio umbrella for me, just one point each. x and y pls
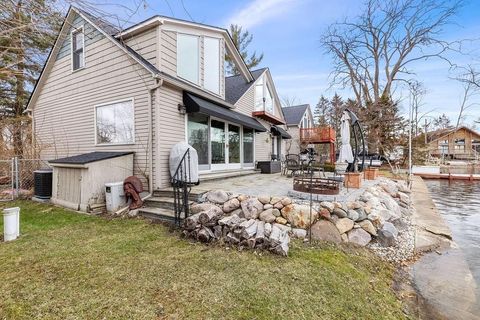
(346, 154)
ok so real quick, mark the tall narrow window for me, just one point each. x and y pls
(263, 97)
(259, 98)
(188, 57)
(115, 123)
(212, 64)
(248, 146)
(78, 55)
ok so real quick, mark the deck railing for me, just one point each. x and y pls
(317, 135)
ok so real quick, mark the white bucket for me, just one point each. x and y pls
(11, 223)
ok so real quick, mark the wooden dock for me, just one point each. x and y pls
(450, 176)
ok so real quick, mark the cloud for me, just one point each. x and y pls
(258, 11)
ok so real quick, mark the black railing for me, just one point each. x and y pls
(181, 183)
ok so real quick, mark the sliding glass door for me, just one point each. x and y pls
(220, 145)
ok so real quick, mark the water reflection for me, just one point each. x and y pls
(459, 204)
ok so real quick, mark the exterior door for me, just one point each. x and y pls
(218, 138)
(234, 147)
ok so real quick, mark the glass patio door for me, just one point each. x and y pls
(225, 145)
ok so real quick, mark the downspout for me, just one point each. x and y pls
(151, 90)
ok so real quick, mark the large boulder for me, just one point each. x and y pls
(340, 212)
(264, 199)
(199, 207)
(324, 213)
(326, 204)
(352, 214)
(387, 236)
(267, 216)
(231, 205)
(299, 215)
(367, 225)
(362, 215)
(344, 225)
(286, 201)
(324, 230)
(251, 208)
(274, 200)
(299, 233)
(376, 219)
(217, 196)
(359, 237)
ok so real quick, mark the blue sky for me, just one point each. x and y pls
(288, 33)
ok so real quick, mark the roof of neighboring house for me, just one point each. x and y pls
(236, 86)
(437, 134)
(293, 115)
(90, 157)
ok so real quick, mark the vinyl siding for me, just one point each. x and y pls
(64, 111)
(91, 35)
(169, 131)
(294, 143)
(145, 44)
(246, 104)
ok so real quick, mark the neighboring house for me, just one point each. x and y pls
(297, 118)
(460, 143)
(148, 87)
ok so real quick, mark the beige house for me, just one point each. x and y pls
(460, 143)
(148, 87)
(297, 118)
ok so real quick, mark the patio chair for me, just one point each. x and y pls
(292, 163)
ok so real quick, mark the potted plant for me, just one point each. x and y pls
(371, 173)
(353, 180)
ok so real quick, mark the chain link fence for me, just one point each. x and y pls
(17, 177)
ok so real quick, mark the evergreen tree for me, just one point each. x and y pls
(321, 112)
(242, 40)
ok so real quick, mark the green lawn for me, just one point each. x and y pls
(68, 265)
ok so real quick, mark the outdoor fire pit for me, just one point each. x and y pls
(316, 185)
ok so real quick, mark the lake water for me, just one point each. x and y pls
(459, 204)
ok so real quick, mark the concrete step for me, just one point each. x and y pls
(195, 193)
(157, 214)
(218, 175)
(162, 202)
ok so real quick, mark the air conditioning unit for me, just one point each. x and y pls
(114, 196)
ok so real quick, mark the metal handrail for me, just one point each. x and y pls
(181, 183)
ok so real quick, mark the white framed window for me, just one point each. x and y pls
(263, 97)
(78, 49)
(114, 123)
(211, 52)
(188, 54)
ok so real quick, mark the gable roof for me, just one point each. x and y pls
(108, 30)
(236, 86)
(440, 133)
(160, 20)
(294, 114)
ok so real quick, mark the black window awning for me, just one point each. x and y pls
(195, 104)
(278, 131)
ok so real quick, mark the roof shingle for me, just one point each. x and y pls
(236, 86)
(293, 115)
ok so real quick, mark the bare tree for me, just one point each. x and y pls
(376, 50)
(470, 81)
(417, 93)
(288, 101)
